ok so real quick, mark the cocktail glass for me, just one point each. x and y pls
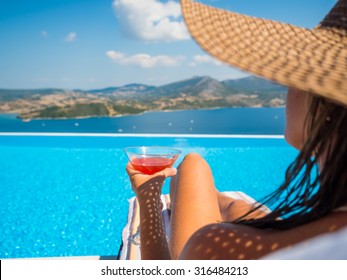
(151, 159)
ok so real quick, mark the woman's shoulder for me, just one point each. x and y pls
(233, 241)
(229, 241)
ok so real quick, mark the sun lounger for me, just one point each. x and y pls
(331, 246)
(130, 235)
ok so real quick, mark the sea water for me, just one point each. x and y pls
(213, 121)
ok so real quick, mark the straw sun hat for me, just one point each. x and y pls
(310, 60)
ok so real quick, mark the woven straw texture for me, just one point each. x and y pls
(311, 60)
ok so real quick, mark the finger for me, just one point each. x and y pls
(167, 172)
(130, 167)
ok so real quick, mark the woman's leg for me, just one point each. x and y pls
(194, 201)
(232, 209)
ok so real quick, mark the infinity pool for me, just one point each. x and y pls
(67, 195)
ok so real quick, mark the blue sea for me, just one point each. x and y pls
(213, 121)
(67, 194)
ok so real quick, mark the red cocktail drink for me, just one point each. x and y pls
(152, 165)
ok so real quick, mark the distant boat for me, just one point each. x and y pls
(26, 120)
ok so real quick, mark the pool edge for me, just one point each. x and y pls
(250, 136)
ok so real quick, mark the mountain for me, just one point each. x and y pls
(195, 93)
(196, 86)
(13, 94)
(253, 84)
(270, 93)
(130, 88)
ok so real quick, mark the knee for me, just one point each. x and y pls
(193, 156)
(194, 160)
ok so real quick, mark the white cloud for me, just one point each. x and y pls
(71, 37)
(205, 59)
(145, 60)
(151, 20)
(44, 33)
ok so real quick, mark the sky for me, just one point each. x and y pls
(94, 44)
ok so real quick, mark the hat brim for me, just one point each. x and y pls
(310, 60)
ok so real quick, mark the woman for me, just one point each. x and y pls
(313, 64)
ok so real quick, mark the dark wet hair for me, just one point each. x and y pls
(307, 192)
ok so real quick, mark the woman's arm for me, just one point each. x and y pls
(154, 245)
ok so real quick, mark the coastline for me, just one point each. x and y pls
(139, 114)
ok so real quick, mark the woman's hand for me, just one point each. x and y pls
(140, 180)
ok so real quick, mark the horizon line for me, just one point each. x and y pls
(135, 135)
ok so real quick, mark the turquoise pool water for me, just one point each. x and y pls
(68, 195)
